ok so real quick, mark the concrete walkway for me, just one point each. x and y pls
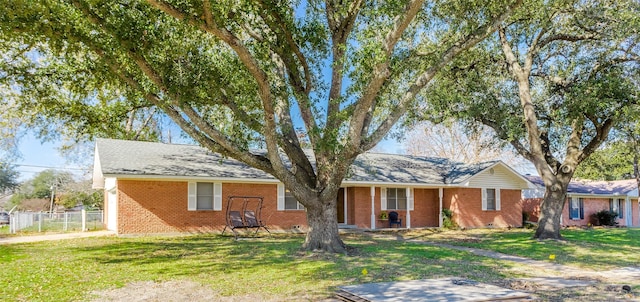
(49, 237)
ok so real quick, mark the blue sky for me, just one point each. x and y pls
(38, 156)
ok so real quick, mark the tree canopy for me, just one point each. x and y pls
(553, 83)
(8, 177)
(234, 75)
(613, 162)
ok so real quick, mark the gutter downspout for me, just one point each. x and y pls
(373, 208)
(440, 196)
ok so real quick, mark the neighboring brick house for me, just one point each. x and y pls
(165, 188)
(585, 197)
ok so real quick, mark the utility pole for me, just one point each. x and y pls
(53, 192)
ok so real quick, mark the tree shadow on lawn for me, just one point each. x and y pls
(280, 258)
(593, 248)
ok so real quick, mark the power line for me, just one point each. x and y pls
(50, 167)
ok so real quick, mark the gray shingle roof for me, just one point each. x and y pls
(397, 168)
(121, 157)
(133, 158)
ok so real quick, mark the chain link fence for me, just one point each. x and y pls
(79, 221)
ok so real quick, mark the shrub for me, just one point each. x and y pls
(525, 217)
(447, 219)
(606, 218)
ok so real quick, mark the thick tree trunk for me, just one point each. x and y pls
(323, 235)
(549, 223)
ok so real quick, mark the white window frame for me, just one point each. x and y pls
(385, 198)
(577, 202)
(288, 195)
(283, 194)
(617, 205)
(485, 201)
(192, 196)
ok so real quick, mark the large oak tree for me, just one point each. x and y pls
(553, 83)
(234, 75)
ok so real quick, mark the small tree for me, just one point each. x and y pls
(8, 177)
(81, 196)
(447, 220)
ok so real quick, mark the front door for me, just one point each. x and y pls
(341, 205)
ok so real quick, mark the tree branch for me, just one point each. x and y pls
(214, 139)
(461, 45)
(340, 28)
(245, 56)
(364, 106)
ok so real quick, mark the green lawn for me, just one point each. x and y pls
(274, 267)
(596, 248)
(271, 266)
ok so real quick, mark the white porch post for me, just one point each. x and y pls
(373, 207)
(409, 207)
(628, 212)
(440, 196)
(346, 221)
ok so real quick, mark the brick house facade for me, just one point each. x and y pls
(150, 194)
(585, 198)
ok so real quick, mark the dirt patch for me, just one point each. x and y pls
(150, 291)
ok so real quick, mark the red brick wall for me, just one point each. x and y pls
(466, 204)
(351, 209)
(591, 206)
(426, 207)
(425, 213)
(532, 206)
(161, 207)
(273, 218)
(361, 200)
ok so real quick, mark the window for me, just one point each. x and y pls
(490, 199)
(396, 199)
(204, 199)
(615, 205)
(290, 202)
(204, 196)
(576, 208)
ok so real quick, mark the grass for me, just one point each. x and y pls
(4, 230)
(595, 248)
(274, 267)
(271, 267)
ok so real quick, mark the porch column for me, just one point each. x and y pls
(409, 207)
(628, 212)
(440, 196)
(373, 208)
